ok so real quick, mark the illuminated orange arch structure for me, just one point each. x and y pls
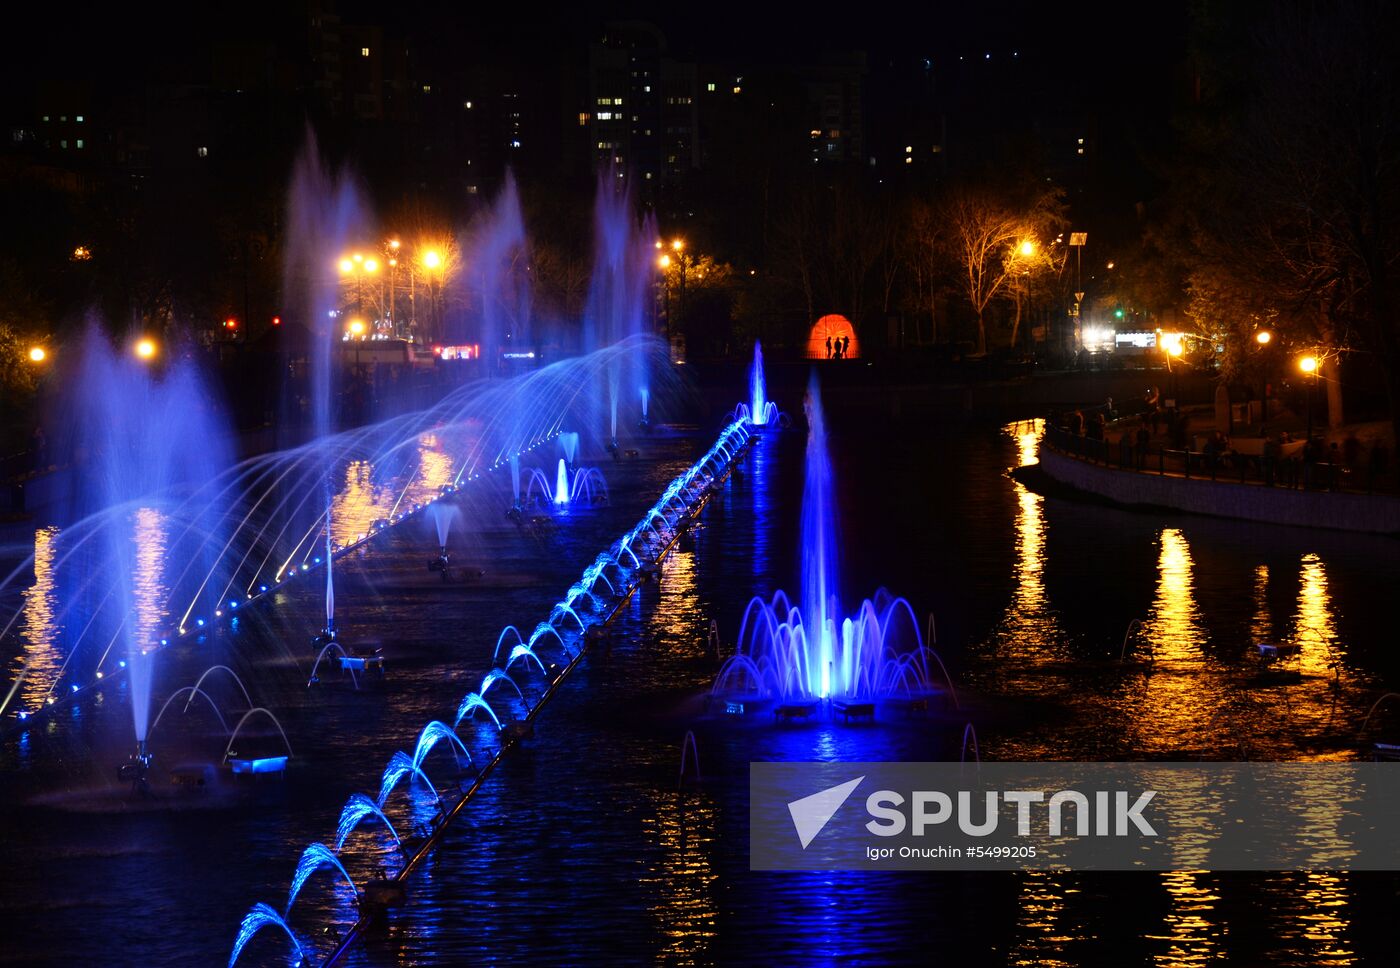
(836, 327)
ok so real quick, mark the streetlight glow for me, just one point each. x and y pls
(38, 354)
(1028, 248)
(1308, 364)
(1263, 336)
(145, 348)
(432, 258)
(678, 244)
(371, 265)
(346, 266)
(357, 327)
(664, 262)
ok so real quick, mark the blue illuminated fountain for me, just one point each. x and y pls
(758, 409)
(544, 659)
(571, 486)
(213, 544)
(812, 651)
(141, 435)
(762, 411)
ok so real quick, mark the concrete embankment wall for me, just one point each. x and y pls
(1376, 514)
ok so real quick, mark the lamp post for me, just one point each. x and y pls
(1263, 338)
(678, 246)
(664, 263)
(392, 257)
(1309, 366)
(432, 261)
(358, 266)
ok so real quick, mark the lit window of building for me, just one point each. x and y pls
(364, 51)
(709, 87)
(79, 143)
(202, 152)
(79, 119)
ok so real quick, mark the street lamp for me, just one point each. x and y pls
(145, 348)
(433, 261)
(38, 354)
(1263, 338)
(1027, 249)
(1309, 366)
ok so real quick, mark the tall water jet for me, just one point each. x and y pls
(500, 255)
(561, 484)
(138, 434)
(324, 211)
(515, 480)
(758, 391)
(624, 268)
(819, 541)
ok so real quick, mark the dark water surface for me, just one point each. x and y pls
(581, 850)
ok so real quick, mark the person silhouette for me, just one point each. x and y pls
(828, 347)
(845, 347)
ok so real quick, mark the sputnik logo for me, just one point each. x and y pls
(812, 813)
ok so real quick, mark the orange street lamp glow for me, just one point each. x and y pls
(664, 262)
(1263, 336)
(394, 244)
(371, 265)
(357, 327)
(432, 258)
(1028, 248)
(658, 243)
(678, 244)
(346, 267)
(145, 348)
(38, 354)
(1308, 364)
(357, 257)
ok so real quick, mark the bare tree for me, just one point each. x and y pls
(987, 237)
